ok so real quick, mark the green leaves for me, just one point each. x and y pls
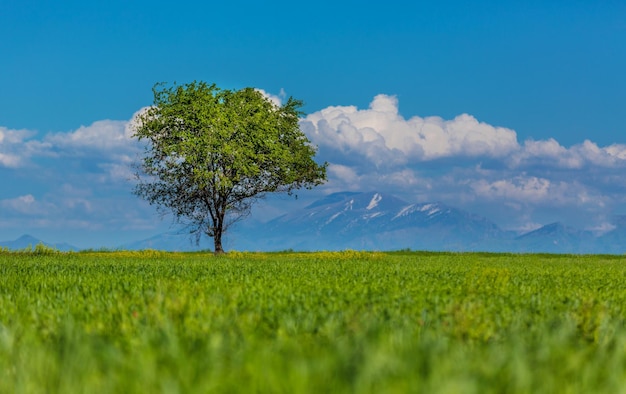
(211, 152)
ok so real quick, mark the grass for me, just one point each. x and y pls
(109, 322)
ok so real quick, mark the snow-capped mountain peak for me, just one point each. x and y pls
(374, 201)
(430, 209)
(380, 221)
(405, 211)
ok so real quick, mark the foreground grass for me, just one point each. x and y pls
(309, 323)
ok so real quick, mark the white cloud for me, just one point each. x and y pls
(276, 99)
(12, 137)
(618, 151)
(546, 152)
(602, 228)
(109, 137)
(9, 160)
(381, 134)
(523, 191)
(347, 176)
(13, 150)
(350, 178)
(406, 177)
(23, 205)
(380, 137)
(116, 172)
(519, 188)
(100, 152)
(549, 153)
(612, 156)
(135, 121)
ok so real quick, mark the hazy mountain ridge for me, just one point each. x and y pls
(375, 221)
(28, 241)
(380, 221)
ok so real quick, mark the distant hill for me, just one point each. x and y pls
(174, 241)
(28, 241)
(556, 238)
(381, 221)
(376, 221)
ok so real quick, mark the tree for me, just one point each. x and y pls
(211, 153)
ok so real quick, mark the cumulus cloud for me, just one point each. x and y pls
(518, 188)
(103, 146)
(276, 99)
(9, 160)
(550, 153)
(104, 135)
(534, 190)
(14, 151)
(381, 135)
(110, 140)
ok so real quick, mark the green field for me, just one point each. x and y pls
(353, 322)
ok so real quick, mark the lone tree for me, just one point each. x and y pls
(211, 153)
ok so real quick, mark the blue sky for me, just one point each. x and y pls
(512, 111)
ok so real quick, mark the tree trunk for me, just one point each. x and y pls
(217, 240)
(218, 226)
(218, 244)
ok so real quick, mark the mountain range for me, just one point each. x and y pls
(29, 242)
(381, 221)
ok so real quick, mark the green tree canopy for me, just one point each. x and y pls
(211, 153)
